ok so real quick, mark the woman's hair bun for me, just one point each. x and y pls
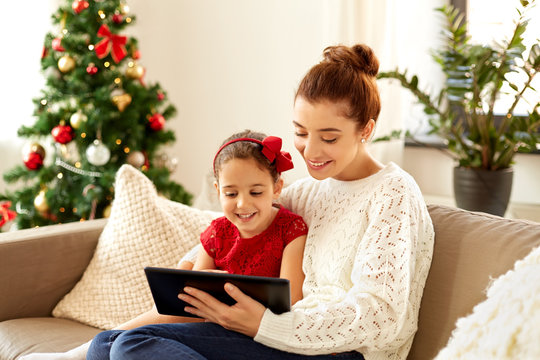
(360, 56)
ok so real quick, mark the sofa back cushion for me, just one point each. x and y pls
(471, 249)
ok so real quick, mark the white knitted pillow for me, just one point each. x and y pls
(143, 229)
(506, 324)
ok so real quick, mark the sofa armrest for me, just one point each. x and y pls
(39, 266)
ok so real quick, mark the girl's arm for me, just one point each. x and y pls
(291, 267)
(153, 317)
(204, 261)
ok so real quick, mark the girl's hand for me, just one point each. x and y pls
(244, 317)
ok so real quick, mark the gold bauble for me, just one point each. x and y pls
(77, 119)
(40, 202)
(134, 71)
(66, 63)
(121, 101)
(107, 211)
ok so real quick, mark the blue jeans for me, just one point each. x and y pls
(196, 341)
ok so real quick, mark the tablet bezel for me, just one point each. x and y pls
(165, 285)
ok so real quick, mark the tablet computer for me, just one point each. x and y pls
(166, 284)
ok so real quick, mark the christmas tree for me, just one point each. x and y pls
(95, 114)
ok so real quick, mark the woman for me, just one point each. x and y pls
(366, 257)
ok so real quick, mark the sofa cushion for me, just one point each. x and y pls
(470, 250)
(144, 229)
(505, 326)
(28, 335)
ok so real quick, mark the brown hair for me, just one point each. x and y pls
(346, 74)
(244, 150)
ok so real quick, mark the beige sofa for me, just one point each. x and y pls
(39, 266)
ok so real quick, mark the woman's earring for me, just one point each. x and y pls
(363, 140)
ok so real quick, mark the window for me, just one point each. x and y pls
(490, 20)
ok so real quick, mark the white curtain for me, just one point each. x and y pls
(401, 33)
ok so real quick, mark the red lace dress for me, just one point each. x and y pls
(260, 255)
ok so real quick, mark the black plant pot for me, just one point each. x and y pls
(483, 190)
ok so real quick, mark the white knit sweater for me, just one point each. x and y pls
(366, 260)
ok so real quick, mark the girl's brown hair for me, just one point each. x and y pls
(348, 75)
(244, 150)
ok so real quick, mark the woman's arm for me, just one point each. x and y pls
(291, 267)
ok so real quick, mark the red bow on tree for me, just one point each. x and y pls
(5, 213)
(271, 149)
(110, 43)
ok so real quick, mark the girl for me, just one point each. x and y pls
(255, 233)
(366, 257)
(255, 237)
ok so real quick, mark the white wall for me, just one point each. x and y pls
(235, 64)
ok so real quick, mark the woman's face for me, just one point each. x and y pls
(328, 141)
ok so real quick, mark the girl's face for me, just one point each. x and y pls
(246, 193)
(328, 141)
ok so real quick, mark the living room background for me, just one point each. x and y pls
(231, 65)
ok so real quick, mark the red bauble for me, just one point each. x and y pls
(57, 44)
(156, 122)
(79, 5)
(136, 55)
(160, 96)
(33, 160)
(62, 134)
(91, 69)
(117, 18)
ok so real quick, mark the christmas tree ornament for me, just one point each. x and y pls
(91, 69)
(97, 153)
(156, 122)
(56, 44)
(77, 119)
(136, 55)
(107, 211)
(66, 63)
(136, 159)
(124, 8)
(79, 5)
(6, 214)
(40, 201)
(160, 96)
(134, 70)
(44, 52)
(62, 134)
(117, 18)
(121, 101)
(111, 43)
(33, 156)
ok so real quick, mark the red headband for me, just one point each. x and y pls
(271, 149)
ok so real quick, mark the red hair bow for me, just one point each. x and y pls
(271, 149)
(5, 213)
(110, 43)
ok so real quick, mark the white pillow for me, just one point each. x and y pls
(506, 324)
(143, 229)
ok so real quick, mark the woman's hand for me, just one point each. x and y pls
(243, 317)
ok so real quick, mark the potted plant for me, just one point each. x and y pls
(462, 114)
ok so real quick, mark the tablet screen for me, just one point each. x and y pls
(166, 284)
